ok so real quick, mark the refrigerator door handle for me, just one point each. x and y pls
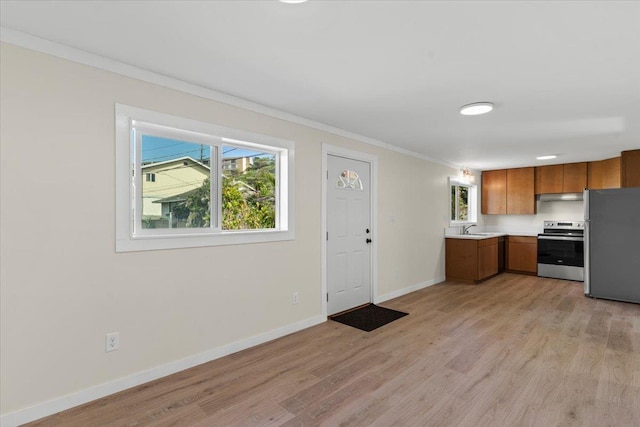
(587, 242)
(585, 205)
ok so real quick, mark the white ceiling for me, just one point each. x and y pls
(564, 75)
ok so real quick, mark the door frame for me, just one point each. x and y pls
(372, 159)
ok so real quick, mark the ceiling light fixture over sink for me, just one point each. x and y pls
(547, 157)
(293, 1)
(476, 108)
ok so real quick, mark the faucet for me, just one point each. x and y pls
(465, 229)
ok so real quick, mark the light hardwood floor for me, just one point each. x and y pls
(513, 351)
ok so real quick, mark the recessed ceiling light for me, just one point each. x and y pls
(293, 1)
(549, 157)
(476, 108)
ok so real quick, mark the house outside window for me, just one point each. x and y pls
(229, 164)
(180, 188)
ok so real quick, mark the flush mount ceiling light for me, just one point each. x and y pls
(476, 108)
(547, 157)
(292, 1)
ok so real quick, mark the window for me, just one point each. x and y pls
(463, 202)
(349, 180)
(182, 183)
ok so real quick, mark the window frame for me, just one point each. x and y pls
(130, 236)
(472, 202)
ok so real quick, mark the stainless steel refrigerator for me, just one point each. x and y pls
(612, 244)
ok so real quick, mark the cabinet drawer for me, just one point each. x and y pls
(487, 242)
(523, 239)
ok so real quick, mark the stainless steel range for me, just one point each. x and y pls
(561, 250)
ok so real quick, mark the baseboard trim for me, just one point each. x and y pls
(51, 407)
(404, 291)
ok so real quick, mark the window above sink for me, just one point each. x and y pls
(463, 202)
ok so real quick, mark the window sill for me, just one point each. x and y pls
(461, 223)
(150, 243)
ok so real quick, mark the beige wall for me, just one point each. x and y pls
(63, 285)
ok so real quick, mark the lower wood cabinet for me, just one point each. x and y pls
(522, 254)
(471, 260)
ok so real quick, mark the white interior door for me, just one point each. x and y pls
(348, 234)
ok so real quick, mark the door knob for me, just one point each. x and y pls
(368, 240)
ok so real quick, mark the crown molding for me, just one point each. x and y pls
(20, 39)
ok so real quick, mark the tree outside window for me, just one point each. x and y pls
(463, 205)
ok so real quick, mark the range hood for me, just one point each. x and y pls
(560, 197)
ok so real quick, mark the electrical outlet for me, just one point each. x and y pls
(112, 342)
(294, 298)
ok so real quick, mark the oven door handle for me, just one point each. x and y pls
(574, 239)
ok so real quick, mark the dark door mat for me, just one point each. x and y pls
(369, 317)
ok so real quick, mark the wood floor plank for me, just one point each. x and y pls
(321, 411)
(604, 414)
(528, 357)
(306, 398)
(620, 336)
(500, 393)
(635, 381)
(185, 415)
(251, 412)
(618, 367)
(514, 350)
(599, 324)
(568, 303)
(411, 402)
(618, 394)
(589, 358)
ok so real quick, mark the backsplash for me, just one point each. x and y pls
(558, 210)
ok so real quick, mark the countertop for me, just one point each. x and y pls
(488, 235)
(474, 236)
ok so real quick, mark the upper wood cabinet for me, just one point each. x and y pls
(510, 191)
(604, 174)
(521, 199)
(630, 168)
(574, 177)
(549, 179)
(566, 178)
(494, 192)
